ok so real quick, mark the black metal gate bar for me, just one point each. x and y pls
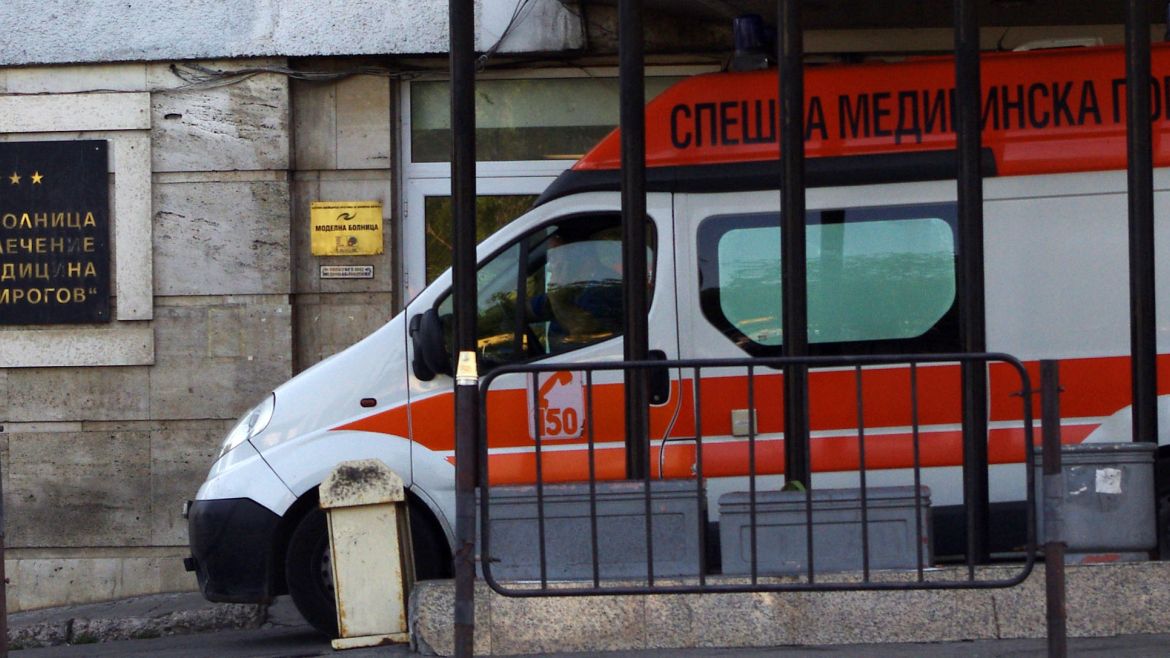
(537, 440)
(917, 463)
(1140, 184)
(462, 62)
(1053, 488)
(861, 470)
(751, 404)
(699, 480)
(592, 437)
(970, 278)
(753, 567)
(633, 192)
(794, 283)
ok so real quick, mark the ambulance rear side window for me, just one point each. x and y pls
(880, 280)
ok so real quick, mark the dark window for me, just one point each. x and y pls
(557, 289)
(880, 280)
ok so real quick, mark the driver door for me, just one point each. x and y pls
(549, 291)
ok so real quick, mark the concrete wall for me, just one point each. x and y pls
(342, 152)
(106, 429)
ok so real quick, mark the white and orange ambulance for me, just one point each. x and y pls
(882, 252)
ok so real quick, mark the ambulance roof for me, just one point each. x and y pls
(1043, 112)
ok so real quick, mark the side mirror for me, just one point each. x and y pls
(430, 352)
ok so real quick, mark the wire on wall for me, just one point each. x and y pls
(196, 76)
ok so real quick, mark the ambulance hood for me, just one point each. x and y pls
(369, 376)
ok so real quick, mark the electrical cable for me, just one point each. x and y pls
(196, 76)
(519, 13)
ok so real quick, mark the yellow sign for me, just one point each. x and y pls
(346, 228)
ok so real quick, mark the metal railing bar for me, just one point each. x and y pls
(592, 479)
(538, 431)
(751, 400)
(702, 518)
(805, 469)
(484, 490)
(1026, 393)
(710, 588)
(917, 469)
(755, 583)
(649, 512)
(1053, 486)
(778, 362)
(646, 495)
(861, 471)
(808, 523)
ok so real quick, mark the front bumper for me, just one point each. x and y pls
(232, 549)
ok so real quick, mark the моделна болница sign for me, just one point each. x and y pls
(346, 228)
(54, 232)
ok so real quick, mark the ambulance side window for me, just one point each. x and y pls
(880, 280)
(557, 289)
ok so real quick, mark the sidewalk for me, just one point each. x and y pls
(158, 615)
(181, 625)
(284, 638)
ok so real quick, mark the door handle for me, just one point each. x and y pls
(658, 379)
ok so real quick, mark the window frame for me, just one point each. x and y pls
(418, 180)
(652, 243)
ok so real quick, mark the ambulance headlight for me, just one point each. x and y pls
(250, 425)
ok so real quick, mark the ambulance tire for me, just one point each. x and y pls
(432, 556)
(308, 575)
(309, 578)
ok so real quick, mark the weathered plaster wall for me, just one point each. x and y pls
(66, 31)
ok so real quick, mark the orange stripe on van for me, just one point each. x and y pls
(725, 459)
(1092, 388)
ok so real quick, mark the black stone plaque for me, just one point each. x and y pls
(54, 232)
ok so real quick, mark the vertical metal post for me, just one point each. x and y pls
(462, 60)
(1053, 487)
(1140, 179)
(794, 281)
(633, 147)
(970, 278)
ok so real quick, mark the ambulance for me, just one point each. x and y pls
(882, 247)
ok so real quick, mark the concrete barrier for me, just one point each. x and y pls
(1103, 600)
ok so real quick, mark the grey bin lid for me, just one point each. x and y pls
(874, 495)
(1128, 452)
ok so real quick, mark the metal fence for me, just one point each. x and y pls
(558, 517)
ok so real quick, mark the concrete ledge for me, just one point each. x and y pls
(1103, 600)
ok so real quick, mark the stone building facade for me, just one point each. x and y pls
(215, 153)
(224, 122)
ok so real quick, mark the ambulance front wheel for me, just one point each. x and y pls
(309, 574)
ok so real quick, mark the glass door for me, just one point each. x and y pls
(427, 236)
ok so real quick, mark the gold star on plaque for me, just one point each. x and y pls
(15, 178)
(36, 178)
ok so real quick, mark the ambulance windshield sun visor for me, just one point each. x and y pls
(251, 424)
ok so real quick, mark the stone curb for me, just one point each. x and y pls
(1103, 601)
(139, 618)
